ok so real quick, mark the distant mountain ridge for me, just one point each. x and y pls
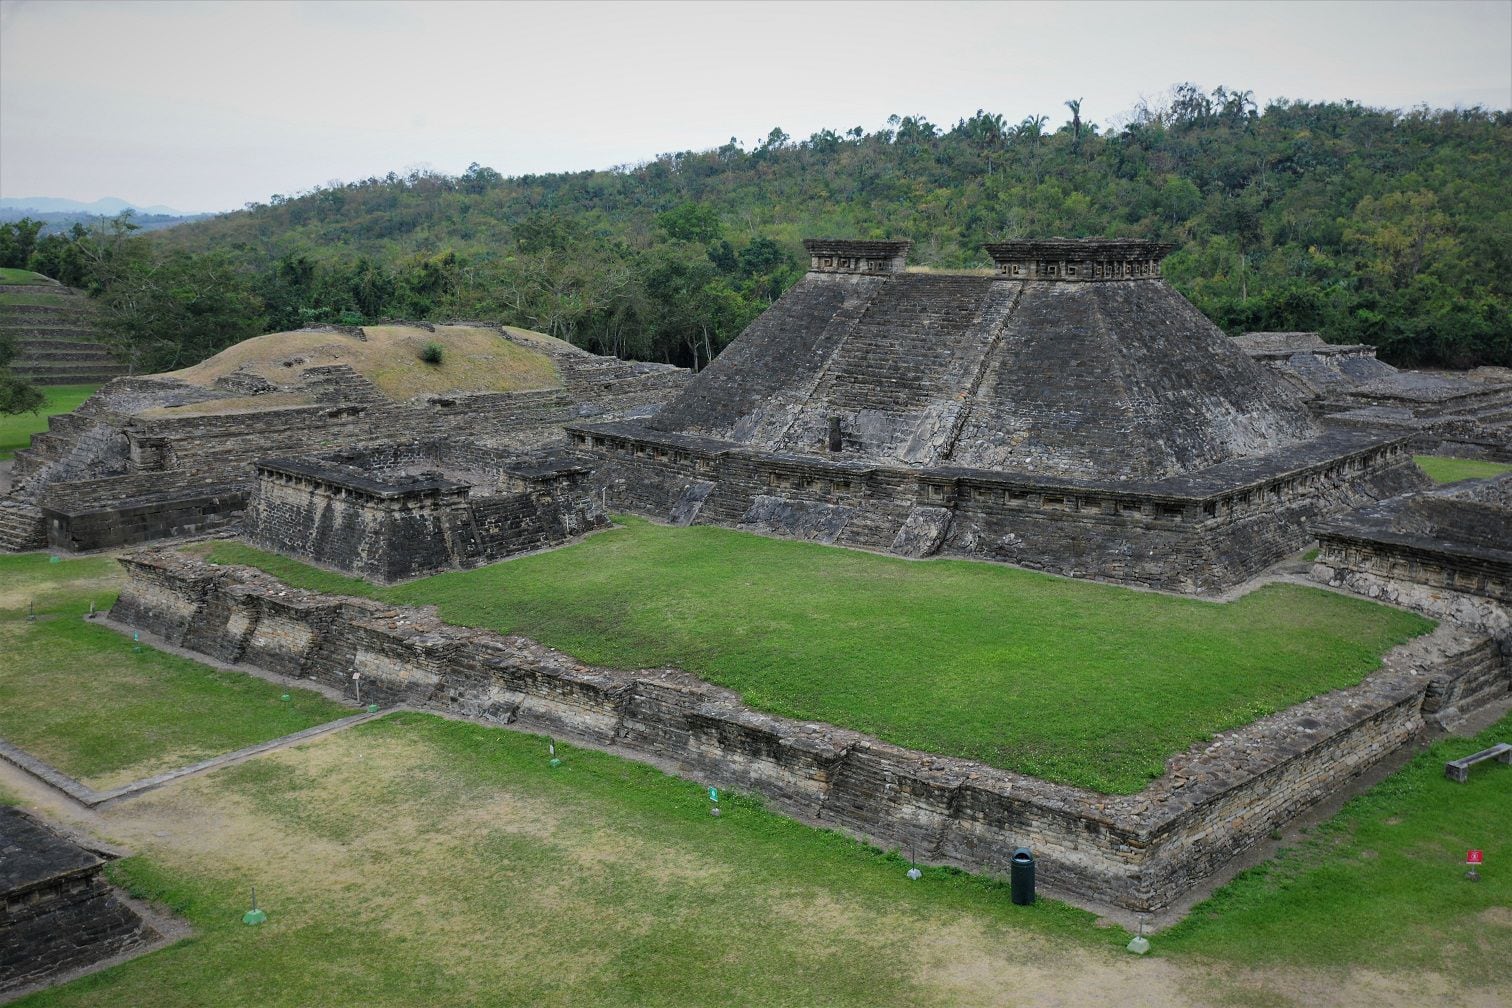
(108, 206)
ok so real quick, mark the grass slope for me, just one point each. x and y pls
(474, 359)
(1452, 470)
(445, 863)
(1068, 680)
(77, 694)
(16, 430)
(11, 275)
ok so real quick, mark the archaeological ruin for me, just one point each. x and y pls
(1142, 852)
(1067, 411)
(1446, 552)
(399, 510)
(57, 911)
(160, 456)
(1465, 415)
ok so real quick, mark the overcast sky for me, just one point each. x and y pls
(206, 106)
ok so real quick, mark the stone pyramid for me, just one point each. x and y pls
(1073, 358)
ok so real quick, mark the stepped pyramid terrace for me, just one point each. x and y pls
(53, 330)
(1067, 411)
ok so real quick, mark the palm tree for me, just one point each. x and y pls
(986, 131)
(1074, 104)
(1033, 129)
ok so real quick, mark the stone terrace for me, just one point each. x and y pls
(56, 344)
(1446, 552)
(1140, 852)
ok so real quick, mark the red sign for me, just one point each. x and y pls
(1474, 857)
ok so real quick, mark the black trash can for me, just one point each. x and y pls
(1021, 876)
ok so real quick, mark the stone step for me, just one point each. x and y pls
(63, 306)
(22, 527)
(42, 325)
(92, 377)
(33, 345)
(92, 354)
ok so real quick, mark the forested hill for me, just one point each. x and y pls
(1371, 226)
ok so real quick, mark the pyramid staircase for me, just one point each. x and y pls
(56, 342)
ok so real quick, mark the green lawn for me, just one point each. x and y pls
(81, 697)
(415, 860)
(11, 275)
(16, 431)
(1384, 878)
(1067, 680)
(1452, 470)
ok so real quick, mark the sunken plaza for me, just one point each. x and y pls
(1065, 411)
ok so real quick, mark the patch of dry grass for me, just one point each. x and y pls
(415, 860)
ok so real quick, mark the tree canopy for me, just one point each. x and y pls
(1377, 226)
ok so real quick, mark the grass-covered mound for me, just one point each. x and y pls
(42, 300)
(12, 275)
(473, 359)
(81, 697)
(1072, 681)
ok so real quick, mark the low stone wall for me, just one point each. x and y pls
(1140, 852)
(1446, 552)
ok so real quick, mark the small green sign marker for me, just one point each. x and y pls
(254, 916)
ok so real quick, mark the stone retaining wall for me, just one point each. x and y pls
(1140, 852)
(1196, 539)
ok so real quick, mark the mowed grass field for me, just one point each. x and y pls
(83, 698)
(16, 430)
(415, 860)
(1071, 681)
(1452, 470)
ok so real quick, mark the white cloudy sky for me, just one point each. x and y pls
(205, 106)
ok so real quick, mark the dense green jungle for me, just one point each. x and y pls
(1386, 227)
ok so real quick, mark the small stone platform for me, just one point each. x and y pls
(57, 912)
(1446, 552)
(400, 510)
